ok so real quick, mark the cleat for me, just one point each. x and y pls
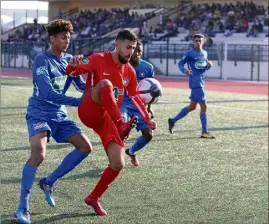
(22, 216)
(48, 189)
(125, 128)
(207, 135)
(171, 125)
(96, 205)
(134, 160)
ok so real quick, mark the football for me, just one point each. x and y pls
(150, 90)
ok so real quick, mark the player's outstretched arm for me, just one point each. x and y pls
(79, 66)
(43, 83)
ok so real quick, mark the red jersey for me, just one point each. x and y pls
(101, 66)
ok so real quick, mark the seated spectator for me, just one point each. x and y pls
(209, 42)
(253, 31)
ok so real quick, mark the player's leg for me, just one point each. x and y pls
(38, 152)
(103, 95)
(67, 131)
(141, 141)
(114, 147)
(115, 154)
(203, 119)
(203, 114)
(184, 112)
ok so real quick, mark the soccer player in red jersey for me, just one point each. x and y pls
(109, 76)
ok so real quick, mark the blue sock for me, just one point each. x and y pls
(203, 119)
(139, 144)
(68, 164)
(27, 180)
(181, 114)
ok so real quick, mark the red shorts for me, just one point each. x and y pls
(95, 116)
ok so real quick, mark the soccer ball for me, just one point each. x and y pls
(149, 90)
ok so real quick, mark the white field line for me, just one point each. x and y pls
(168, 102)
(220, 107)
(30, 88)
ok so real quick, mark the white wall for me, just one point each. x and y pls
(242, 71)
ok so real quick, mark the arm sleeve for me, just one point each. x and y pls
(152, 74)
(44, 85)
(131, 91)
(78, 83)
(182, 62)
(85, 66)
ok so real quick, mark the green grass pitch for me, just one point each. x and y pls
(182, 178)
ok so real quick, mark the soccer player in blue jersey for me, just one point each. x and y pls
(143, 70)
(47, 117)
(197, 63)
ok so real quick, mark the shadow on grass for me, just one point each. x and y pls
(95, 173)
(239, 128)
(5, 219)
(90, 174)
(8, 219)
(49, 147)
(59, 217)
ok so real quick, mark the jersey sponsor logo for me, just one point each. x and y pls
(200, 64)
(125, 82)
(85, 61)
(39, 125)
(41, 71)
(59, 82)
(117, 92)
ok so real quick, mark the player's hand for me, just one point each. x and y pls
(188, 72)
(74, 62)
(152, 124)
(209, 64)
(151, 113)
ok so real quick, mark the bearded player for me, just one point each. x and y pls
(109, 77)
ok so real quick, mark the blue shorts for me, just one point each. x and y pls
(198, 95)
(128, 112)
(60, 129)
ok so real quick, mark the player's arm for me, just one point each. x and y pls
(181, 64)
(79, 65)
(44, 85)
(131, 91)
(209, 63)
(79, 83)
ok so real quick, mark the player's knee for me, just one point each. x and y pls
(37, 159)
(148, 136)
(86, 148)
(118, 166)
(105, 82)
(192, 107)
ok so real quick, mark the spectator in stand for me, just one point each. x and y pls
(253, 31)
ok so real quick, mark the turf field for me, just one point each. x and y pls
(182, 178)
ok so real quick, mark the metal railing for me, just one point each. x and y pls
(160, 55)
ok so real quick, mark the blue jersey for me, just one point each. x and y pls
(143, 70)
(197, 62)
(50, 84)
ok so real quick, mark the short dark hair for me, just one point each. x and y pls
(58, 26)
(199, 35)
(127, 35)
(139, 43)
